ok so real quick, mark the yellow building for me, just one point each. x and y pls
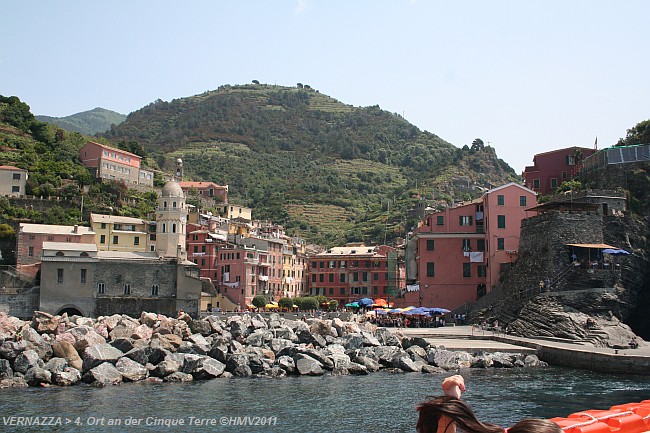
(118, 233)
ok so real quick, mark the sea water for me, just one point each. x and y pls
(379, 402)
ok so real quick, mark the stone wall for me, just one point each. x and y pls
(21, 304)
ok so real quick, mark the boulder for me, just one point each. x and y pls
(450, 360)
(69, 376)
(482, 360)
(323, 328)
(165, 368)
(502, 360)
(416, 352)
(369, 339)
(306, 337)
(11, 349)
(387, 338)
(207, 368)
(123, 330)
(139, 355)
(308, 366)
(286, 363)
(103, 374)
(370, 364)
(102, 330)
(239, 329)
(415, 341)
(14, 382)
(432, 369)
(86, 337)
(101, 353)
(237, 364)
(37, 376)
(131, 370)
(149, 319)
(27, 360)
(352, 341)
(5, 369)
(533, 361)
(142, 332)
(202, 327)
(122, 344)
(179, 377)
(405, 363)
(357, 369)
(173, 339)
(45, 323)
(277, 344)
(274, 372)
(56, 365)
(64, 349)
(259, 337)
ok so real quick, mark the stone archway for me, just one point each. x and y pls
(71, 310)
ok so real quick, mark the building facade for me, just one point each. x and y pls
(12, 181)
(110, 163)
(550, 169)
(355, 271)
(458, 254)
(118, 233)
(30, 239)
(206, 191)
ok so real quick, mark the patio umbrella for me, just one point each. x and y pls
(352, 305)
(365, 302)
(615, 252)
(271, 306)
(439, 310)
(381, 302)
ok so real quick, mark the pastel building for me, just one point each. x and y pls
(110, 163)
(204, 190)
(118, 233)
(30, 239)
(458, 254)
(550, 169)
(12, 181)
(355, 271)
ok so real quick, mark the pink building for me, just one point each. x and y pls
(458, 254)
(110, 163)
(550, 169)
(30, 238)
(207, 190)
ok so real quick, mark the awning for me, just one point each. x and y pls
(592, 246)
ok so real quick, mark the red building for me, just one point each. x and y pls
(458, 254)
(206, 190)
(355, 271)
(107, 162)
(550, 169)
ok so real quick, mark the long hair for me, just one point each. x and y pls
(535, 425)
(455, 410)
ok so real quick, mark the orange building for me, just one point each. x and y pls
(110, 163)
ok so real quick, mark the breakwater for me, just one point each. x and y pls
(61, 350)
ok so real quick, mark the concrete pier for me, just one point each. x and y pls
(554, 351)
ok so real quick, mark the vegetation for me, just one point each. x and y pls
(329, 172)
(260, 301)
(639, 134)
(87, 122)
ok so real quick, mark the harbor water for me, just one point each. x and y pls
(379, 402)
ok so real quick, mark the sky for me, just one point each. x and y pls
(524, 76)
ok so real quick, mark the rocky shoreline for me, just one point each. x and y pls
(64, 351)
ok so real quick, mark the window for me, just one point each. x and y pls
(431, 269)
(196, 248)
(501, 244)
(480, 270)
(136, 240)
(342, 278)
(331, 278)
(15, 188)
(16, 176)
(31, 252)
(364, 276)
(331, 290)
(115, 240)
(430, 244)
(127, 289)
(83, 276)
(500, 200)
(465, 220)
(554, 183)
(102, 239)
(467, 270)
(342, 292)
(321, 278)
(536, 183)
(440, 220)
(101, 288)
(501, 221)
(355, 276)
(154, 290)
(467, 245)
(564, 175)
(375, 276)
(313, 278)
(522, 200)
(480, 245)
(173, 228)
(59, 276)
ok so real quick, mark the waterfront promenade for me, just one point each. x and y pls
(554, 351)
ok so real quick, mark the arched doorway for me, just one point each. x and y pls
(70, 310)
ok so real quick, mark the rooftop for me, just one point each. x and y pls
(101, 218)
(53, 229)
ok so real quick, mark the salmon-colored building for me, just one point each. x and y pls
(110, 163)
(458, 254)
(206, 190)
(30, 238)
(550, 169)
(355, 271)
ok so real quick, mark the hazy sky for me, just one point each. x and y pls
(526, 76)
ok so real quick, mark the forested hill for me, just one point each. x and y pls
(87, 122)
(328, 171)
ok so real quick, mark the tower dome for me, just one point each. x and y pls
(172, 189)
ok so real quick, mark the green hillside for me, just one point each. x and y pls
(328, 171)
(88, 122)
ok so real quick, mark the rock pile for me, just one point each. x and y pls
(62, 350)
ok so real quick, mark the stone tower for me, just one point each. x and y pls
(171, 220)
(178, 176)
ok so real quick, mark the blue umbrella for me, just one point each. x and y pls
(615, 252)
(365, 301)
